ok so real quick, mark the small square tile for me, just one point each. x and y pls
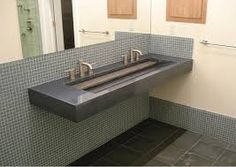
(191, 159)
(122, 156)
(170, 154)
(227, 159)
(207, 150)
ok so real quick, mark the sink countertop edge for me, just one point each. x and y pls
(76, 105)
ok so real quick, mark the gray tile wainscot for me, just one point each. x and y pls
(61, 99)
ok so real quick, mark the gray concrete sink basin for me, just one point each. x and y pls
(115, 76)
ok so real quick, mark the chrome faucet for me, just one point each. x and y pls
(71, 73)
(125, 59)
(135, 55)
(85, 67)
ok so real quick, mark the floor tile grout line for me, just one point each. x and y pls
(135, 134)
(220, 155)
(188, 150)
(131, 149)
(164, 140)
(122, 145)
(213, 163)
(139, 134)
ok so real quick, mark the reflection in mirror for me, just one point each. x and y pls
(35, 27)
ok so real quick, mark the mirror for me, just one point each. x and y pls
(34, 27)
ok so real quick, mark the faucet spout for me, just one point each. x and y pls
(135, 55)
(83, 66)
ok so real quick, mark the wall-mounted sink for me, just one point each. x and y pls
(115, 76)
(80, 99)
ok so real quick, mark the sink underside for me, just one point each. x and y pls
(115, 76)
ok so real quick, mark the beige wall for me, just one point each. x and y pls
(92, 15)
(212, 84)
(89, 14)
(10, 45)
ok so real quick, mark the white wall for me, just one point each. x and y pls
(212, 84)
(52, 39)
(92, 15)
(10, 44)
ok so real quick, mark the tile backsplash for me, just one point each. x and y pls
(172, 46)
(31, 136)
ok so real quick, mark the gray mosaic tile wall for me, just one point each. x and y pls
(164, 45)
(196, 120)
(30, 136)
(172, 46)
(123, 35)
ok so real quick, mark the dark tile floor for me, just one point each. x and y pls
(153, 143)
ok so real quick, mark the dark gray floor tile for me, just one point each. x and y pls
(143, 126)
(214, 142)
(161, 124)
(227, 159)
(103, 162)
(207, 150)
(170, 154)
(125, 137)
(149, 156)
(122, 156)
(155, 163)
(141, 144)
(232, 148)
(157, 133)
(106, 148)
(86, 160)
(191, 159)
(187, 140)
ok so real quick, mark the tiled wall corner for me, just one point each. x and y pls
(30, 136)
(172, 46)
(192, 119)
